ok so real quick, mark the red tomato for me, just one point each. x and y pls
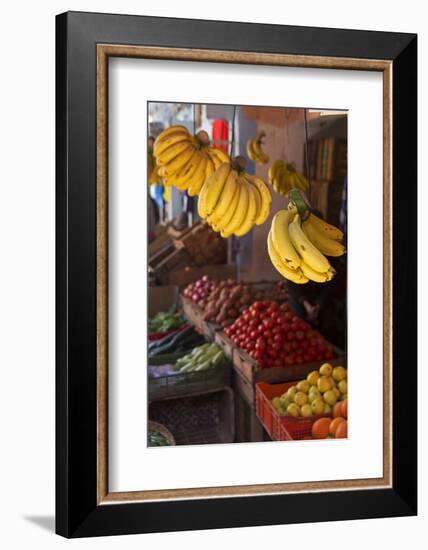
(290, 336)
(294, 345)
(289, 360)
(268, 323)
(276, 346)
(261, 344)
(272, 353)
(278, 337)
(267, 333)
(299, 335)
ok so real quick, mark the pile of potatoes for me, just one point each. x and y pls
(228, 300)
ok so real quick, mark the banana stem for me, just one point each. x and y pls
(301, 204)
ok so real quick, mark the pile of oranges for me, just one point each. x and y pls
(333, 428)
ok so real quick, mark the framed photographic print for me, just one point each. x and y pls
(236, 274)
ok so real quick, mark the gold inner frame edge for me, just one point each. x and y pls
(104, 51)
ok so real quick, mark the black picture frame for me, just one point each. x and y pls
(77, 511)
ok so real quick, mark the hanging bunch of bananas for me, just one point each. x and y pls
(283, 177)
(153, 175)
(255, 151)
(299, 241)
(232, 201)
(186, 161)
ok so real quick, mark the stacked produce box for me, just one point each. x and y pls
(250, 327)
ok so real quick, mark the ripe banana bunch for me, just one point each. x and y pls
(186, 161)
(232, 201)
(255, 151)
(298, 250)
(283, 177)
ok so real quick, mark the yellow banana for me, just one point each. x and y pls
(306, 250)
(258, 200)
(225, 198)
(261, 186)
(325, 228)
(177, 128)
(273, 169)
(284, 181)
(302, 180)
(255, 151)
(240, 213)
(282, 241)
(294, 275)
(261, 156)
(164, 148)
(263, 200)
(327, 246)
(179, 161)
(315, 276)
(197, 180)
(231, 210)
(182, 178)
(210, 167)
(250, 151)
(250, 216)
(169, 155)
(212, 189)
(219, 154)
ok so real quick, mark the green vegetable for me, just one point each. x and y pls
(156, 439)
(201, 358)
(165, 321)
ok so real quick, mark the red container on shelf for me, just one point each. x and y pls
(281, 428)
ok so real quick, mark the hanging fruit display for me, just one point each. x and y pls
(298, 243)
(283, 177)
(255, 151)
(152, 167)
(186, 161)
(232, 201)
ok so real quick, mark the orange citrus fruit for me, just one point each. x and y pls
(334, 424)
(342, 430)
(337, 410)
(320, 428)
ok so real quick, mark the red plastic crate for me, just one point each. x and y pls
(281, 428)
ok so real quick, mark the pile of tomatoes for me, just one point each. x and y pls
(275, 337)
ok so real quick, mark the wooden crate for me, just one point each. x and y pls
(195, 315)
(245, 388)
(188, 275)
(158, 243)
(162, 298)
(249, 368)
(160, 254)
(204, 245)
(225, 342)
(177, 234)
(177, 260)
